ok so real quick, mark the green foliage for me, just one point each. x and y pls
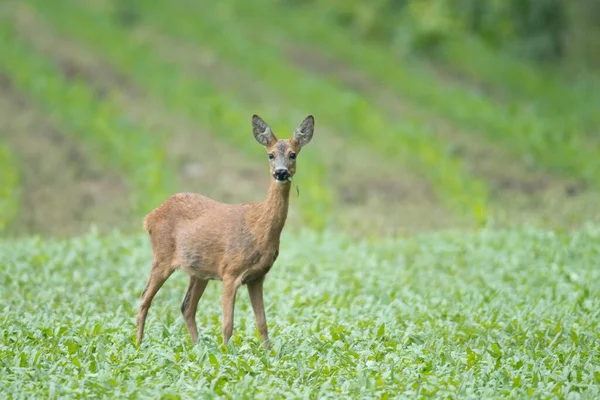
(423, 26)
(534, 28)
(96, 122)
(9, 186)
(486, 315)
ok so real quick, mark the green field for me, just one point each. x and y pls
(444, 229)
(506, 313)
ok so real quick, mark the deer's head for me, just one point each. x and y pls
(283, 153)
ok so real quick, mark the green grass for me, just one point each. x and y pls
(486, 315)
(9, 186)
(195, 96)
(97, 123)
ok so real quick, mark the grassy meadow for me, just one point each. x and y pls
(486, 315)
(443, 235)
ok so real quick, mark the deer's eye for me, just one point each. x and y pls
(271, 156)
(293, 156)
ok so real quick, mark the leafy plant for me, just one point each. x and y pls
(490, 314)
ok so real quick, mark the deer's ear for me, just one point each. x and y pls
(262, 132)
(304, 132)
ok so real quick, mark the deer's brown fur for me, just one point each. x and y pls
(234, 243)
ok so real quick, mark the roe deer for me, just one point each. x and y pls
(234, 243)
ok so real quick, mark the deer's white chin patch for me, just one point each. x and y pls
(289, 180)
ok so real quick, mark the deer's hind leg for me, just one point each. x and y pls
(190, 305)
(230, 287)
(161, 271)
(255, 290)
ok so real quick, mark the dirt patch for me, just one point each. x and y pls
(508, 176)
(64, 191)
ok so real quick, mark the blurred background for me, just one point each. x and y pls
(430, 114)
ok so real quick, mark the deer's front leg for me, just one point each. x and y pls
(255, 290)
(230, 287)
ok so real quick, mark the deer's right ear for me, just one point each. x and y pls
(304, 132)
(262, 132)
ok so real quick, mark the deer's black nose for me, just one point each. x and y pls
(281, 174)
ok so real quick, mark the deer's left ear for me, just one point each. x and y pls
(262, 132)
(304, 132)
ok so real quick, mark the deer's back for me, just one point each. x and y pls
(179, 207)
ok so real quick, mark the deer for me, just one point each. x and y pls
(236, 244)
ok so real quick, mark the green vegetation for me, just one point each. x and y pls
(494, 314)
(555, 31)
(9, 186)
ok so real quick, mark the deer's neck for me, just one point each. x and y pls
(274, 210)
